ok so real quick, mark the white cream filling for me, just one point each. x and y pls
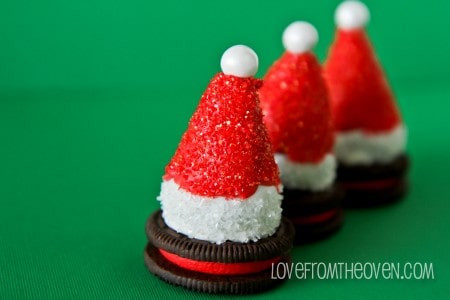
(218, 219)
(359, 148)
(314, 177)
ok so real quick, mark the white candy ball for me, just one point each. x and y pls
(300, 37)
(240, 61)
(352, 15)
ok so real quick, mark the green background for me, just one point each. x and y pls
(94, 97)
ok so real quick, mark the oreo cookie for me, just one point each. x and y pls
(315, 215)
(227, 268)
(374, 185)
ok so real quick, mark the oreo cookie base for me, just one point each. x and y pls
(226, 263)
(374, 185)
(315, 215)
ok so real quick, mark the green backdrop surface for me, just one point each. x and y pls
(94, 97)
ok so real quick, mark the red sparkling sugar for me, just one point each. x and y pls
(360, 95)
(296, 108)
(226, 150)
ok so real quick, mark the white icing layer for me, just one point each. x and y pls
(314, 177)
(359, 148)
(218, 219)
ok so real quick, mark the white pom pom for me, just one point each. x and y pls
(300, 37)
(352, 15)
(240, 61)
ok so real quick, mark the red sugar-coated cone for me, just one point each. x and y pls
(296, 107)
(361, 96)
(225, 150)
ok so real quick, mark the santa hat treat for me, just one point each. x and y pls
(220, 228)
(370, 135)
(297, 113)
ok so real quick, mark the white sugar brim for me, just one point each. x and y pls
(359, 148)
(307, 176)
(218, 219)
